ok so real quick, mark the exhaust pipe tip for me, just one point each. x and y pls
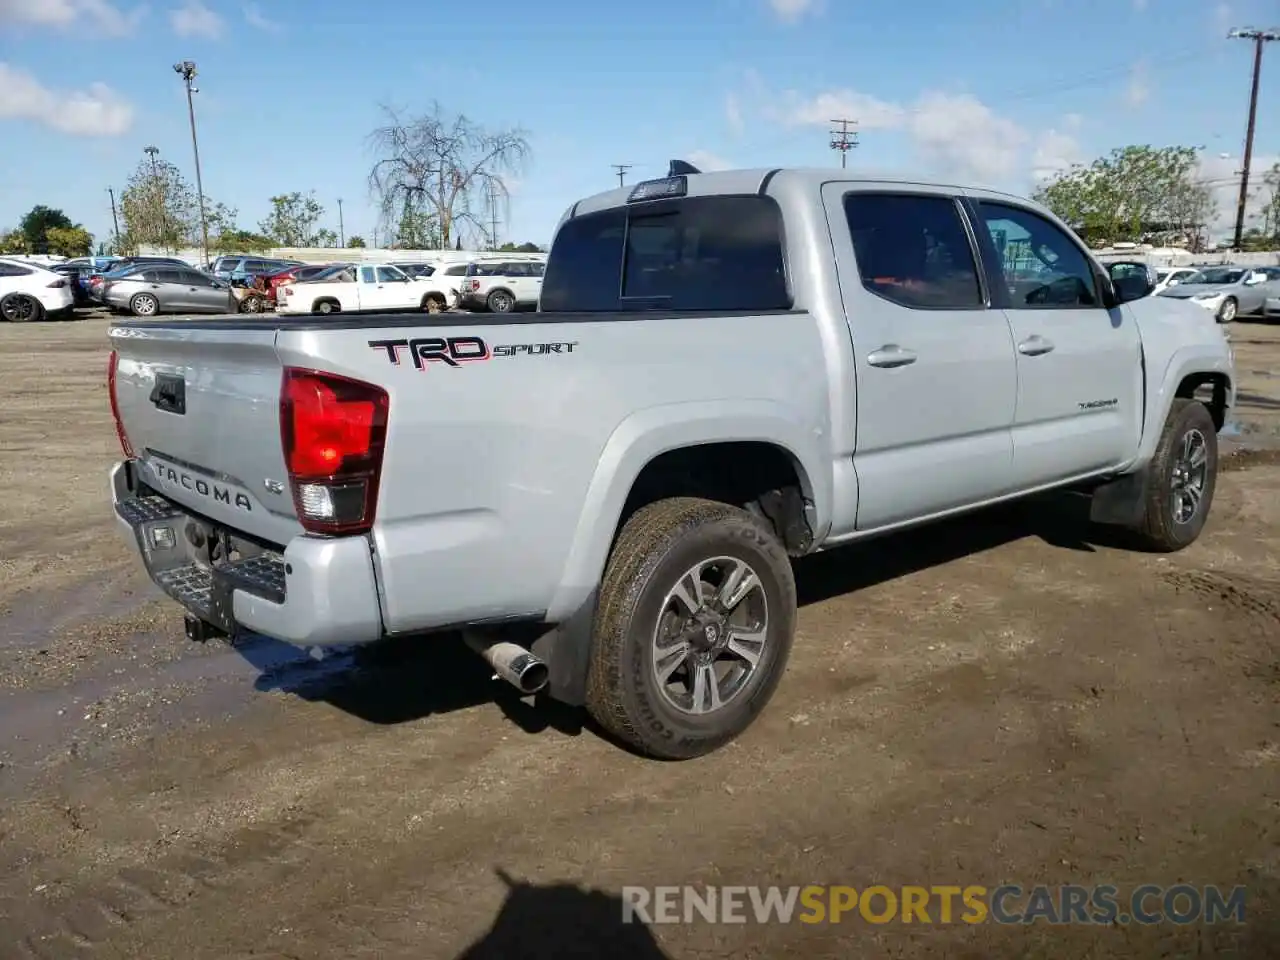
(512, 662)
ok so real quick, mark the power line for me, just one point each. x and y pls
(844, 139)
(621, 169)
(1260, 38)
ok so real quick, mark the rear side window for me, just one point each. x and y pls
(699, 253)
(13, 270)
(913, 250)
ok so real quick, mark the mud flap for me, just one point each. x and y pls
(1122, 501)
(566, 650)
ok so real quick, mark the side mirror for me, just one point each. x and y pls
(1131, 280)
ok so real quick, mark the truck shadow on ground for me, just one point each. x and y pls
(408, 679)
(562, 920)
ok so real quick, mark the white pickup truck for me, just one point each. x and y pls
(364, 288)
(727, 370)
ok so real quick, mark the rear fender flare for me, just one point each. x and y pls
(647, 434)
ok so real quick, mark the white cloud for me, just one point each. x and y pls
(96, 112)
(733, 114)
(101, 16)
(254, 16)
(1222, 176)
(955, 133)
(1055, 152)
(1138, 90)
(194, 19)
(708, 162)
(789, 11)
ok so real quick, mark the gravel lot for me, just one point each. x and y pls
(1012, 698)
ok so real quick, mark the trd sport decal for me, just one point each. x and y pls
(455, 351)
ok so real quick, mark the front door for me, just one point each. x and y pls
(1079, 363)
(936, 377)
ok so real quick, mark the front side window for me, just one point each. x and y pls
(696, 253)
(1042, 266)
(913, 250)
(366, 275)
(389, 274)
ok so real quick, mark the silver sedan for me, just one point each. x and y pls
(169, 289)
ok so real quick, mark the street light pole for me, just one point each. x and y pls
(342, 233)
(187, 70)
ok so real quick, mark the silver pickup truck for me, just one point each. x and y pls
(727, 370)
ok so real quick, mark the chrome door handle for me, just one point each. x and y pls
(1035, 345)
(891, 355)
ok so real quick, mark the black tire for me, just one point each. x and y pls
(325, 307)
(655, 548)
(1189, 423)
(138, 306)
(434, 303)
(252, 304)
(1229, 310)
(500, 302)
(21, 308)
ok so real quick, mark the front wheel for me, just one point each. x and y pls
(252, 304)
(694, 628)
(1227, 312)
(1181, 479)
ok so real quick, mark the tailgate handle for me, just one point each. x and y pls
(170, 393)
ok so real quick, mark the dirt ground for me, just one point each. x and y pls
(1014, 698)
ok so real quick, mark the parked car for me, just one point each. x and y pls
(1172, 276)
(146, 291)
(270, 283)
(501, 286)
(362, 288)
(95, 280)
(31, 292)
(730, 370)
(240, 270)
(79, 271)
(1229, 291)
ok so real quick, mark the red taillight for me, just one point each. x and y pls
(112, 364)
(333, 430)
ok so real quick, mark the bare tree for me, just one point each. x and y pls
(444, 169)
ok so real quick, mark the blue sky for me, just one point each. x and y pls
(994, 91)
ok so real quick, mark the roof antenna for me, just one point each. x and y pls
(680, 168)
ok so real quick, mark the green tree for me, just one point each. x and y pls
(1134, 193)
(69, 241)
(236, 240)
(356, 241)
(1271, 203)
(325, 238)
(159, 207)
(36, 225)
(12, 241)
(293, 218)
(510, 247)
(446, 167)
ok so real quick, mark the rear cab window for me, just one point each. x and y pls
(713, 253)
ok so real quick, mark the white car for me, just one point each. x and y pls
(29, 292)
(363, 288)
(1171, 276)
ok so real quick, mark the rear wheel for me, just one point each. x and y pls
(433, 303)
(21, 308)
(144, 305)
(500, 301)
(694, 628)
(1181, 479)
(325, 307)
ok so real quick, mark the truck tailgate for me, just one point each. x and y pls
(200, 407)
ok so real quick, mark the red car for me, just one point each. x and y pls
(271, 281)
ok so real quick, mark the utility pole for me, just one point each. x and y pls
(187, 70)
(622, 169)
(115, 221)
(163, 187)
(342, 233)
(844, 139)
(493, 215)
(1259, 38)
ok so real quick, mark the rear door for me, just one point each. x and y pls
(1079, 364)
(934, 364)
